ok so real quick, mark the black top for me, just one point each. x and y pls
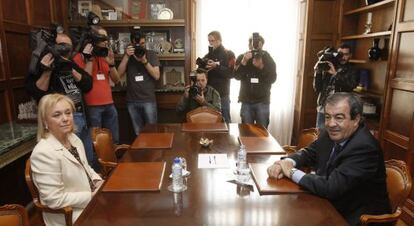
(219, 77)
(62, 81)
(140, 84)
(354, 182)
(255, 84)
(324, 84)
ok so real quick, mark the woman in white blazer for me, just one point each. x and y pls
(59, 166)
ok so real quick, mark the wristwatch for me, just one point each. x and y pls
(292, 171)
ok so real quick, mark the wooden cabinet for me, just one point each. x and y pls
(165, 23)
(368, 29)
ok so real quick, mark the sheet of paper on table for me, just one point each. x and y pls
(213, 161)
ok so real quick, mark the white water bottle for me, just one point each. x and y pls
(177, 175)
(241, 158)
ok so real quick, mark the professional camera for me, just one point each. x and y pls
(136, 36)
(194, 88)
(202, 62)
(43, 41)
(84, 35)
(328, 54)
(256, 52)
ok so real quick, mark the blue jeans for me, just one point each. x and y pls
(83, 132)
(142, 113)
(225, 108)
(320, 120)
(105, 116)
(255, 113)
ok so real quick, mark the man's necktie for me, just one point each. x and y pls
(337, 148)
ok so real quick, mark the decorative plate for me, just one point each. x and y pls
(165, 14)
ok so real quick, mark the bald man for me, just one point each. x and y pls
(58, 74)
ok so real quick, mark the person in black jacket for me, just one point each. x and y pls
(256, 71)
(220, 66)
(348, 162)
(340, 78)
(61, 75)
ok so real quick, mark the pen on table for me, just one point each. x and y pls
(214, 159)
(209, 159)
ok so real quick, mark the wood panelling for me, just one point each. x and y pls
(2, 69)
(400, 112)
(405, 64)
(408, 11)
(14, 10)
(40, 12)
(18, 53)
(3, 108)
(321, 20)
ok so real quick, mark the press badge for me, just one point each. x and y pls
(254, 80)
(100, 76)
(139, 78)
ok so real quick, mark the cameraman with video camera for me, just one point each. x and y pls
(98, 60)
(142, 70)
(256, 71)
(198, 94)
(333, 73)
(52, 71)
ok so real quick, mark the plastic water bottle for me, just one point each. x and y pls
(243, 172)
(177, 175)
(241, 158)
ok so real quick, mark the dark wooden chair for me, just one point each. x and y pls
(204, 115)
(399, 184)
(13, 215)
(67, 211)
(106, 151)
(307, 137)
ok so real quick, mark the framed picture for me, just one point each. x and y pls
(84, 7)
(137, 9)
(154, 40)
(173, 76)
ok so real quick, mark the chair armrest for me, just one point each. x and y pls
(108, 164)
(120, 149)
(365, 219)
(289, 149)
(67, 211)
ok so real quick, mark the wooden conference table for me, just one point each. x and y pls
(210, 199)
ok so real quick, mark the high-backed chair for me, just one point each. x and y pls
(204, 115)
(106, 151)
(67, 211)
(13, 215)
(399, 184)
(307, 137)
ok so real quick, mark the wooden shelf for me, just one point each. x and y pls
(165, 56)
(370, 35)
(367, 93)
(368, 8)
(130, 23)
(356, 61)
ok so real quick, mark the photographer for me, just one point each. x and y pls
(199, 94)
(256, 71)
(98, 60)
(58, 74)
(220, 65)
(142, 69)
(333, 73)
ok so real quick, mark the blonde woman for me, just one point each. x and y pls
(60, 170)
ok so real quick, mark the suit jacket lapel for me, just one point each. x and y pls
(57, 146)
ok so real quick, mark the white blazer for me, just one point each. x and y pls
(60, 179)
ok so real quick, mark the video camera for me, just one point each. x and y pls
(43, 41)
(84, 35)
(328, 54)
(203, 62)
(195, 89)
(256, 51)
(137, 35)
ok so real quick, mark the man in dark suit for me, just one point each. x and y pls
(348, 162)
